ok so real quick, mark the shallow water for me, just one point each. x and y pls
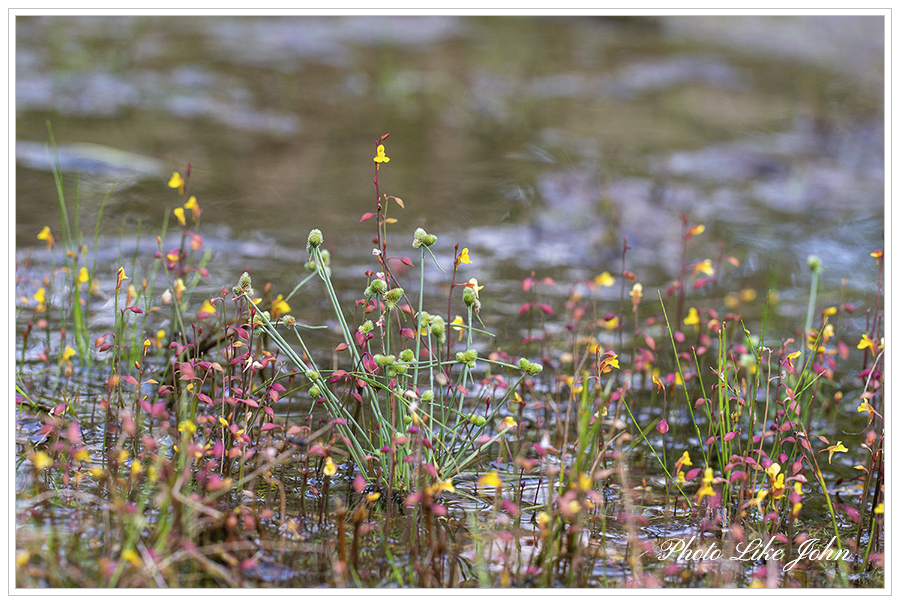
(539, 143)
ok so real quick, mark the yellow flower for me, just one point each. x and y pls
(680, 479)
(330, 468)
(40, 296)
(490, 480)
(131, 556)
(692, 318)
(136, 467)
(684, 460)
(120, 276)
(208, 307)
(147, 344)
(607, 364)
(187, 426)
(838, 448)
(83, 276)
(69, 353)
(879, 509)
(380, 157)
(179, 289)
(46, 235)
(704, 267)
(509, 422)
(41, 461)
(179, 214)
(637, 291)
(159, 338)
(280, 307)
(696, 230)
(176, 182)
(706, 487)
(458, 321)
(865, 342)
(193, 206)
(604, 279)
(473, 285)
(463, 257)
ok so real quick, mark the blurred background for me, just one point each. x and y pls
(538, 143)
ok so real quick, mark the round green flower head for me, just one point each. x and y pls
(407, 356)
(314, 240)
(478, 420)
(289, 320)
(420, 238)
(438, 327)
(377, 286)
(314, 391)
(392, 297)
(244, 285)
(312, 375)
(384, 360)
(366, 327)
(814, 263)
(428, 396)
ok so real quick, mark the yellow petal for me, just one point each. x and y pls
(179, 214)
(45, 234)
(176, 182)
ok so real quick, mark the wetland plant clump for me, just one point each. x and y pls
(216, 438)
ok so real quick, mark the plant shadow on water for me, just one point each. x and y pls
(394, 422)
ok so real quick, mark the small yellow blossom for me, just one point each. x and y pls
(187, 426)
(463, 257)
(380, 157)
(684, 460)
(176, 182)
(509, 422)
(179, 288)
(40, 296)
(46, 235)
(692, 318)
(179, 214)
(637, 291)
(68, 353)
(865, 342)
(41, 460)
(131, 556)
(459, 325)
(704, 267)
(120, 276)
(604, 279)
(490, 480)
(838, 448)
(473, 285)
(696, 230)
(330, 468)
(207, 307)
(280, 307)
(879, 509)
(83, 276)
(193, 206)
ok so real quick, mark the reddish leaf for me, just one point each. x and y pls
(366, 216)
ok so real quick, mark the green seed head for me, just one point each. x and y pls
(478, 420)
(428, 396)
(392, 297)
(407, 356)
(314, 391)
(383, 360)
(438, 327)
(289, 320)
(312, 375)
(244, 285)
(814, 263)
(366, 327)
(314, 240)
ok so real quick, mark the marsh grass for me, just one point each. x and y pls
(207, 442)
